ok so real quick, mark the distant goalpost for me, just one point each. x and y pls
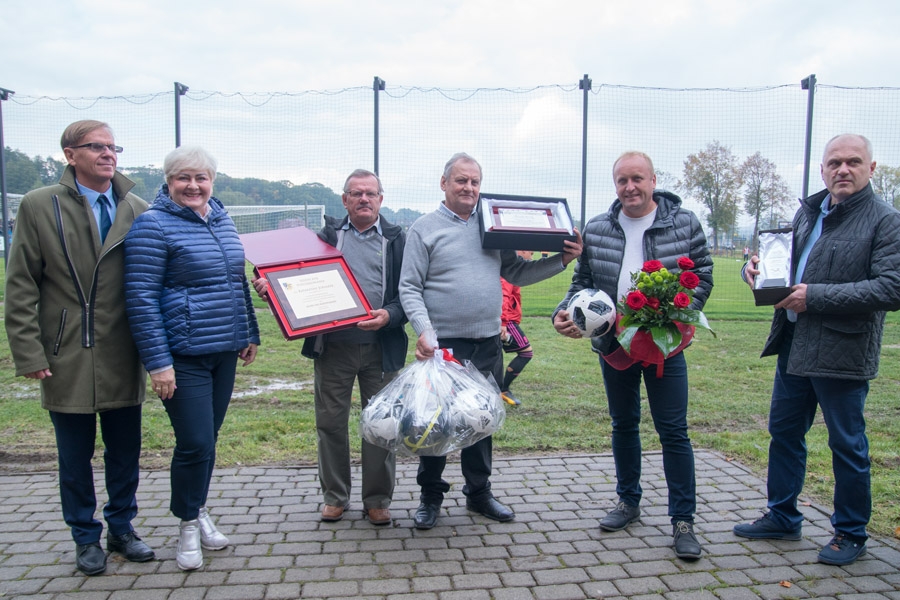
(253, 218)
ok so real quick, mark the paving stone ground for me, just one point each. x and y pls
(554, 549)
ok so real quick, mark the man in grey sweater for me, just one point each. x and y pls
(450, 290)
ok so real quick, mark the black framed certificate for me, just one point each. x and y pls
(313, 297)
(524, 222)
(509, 217)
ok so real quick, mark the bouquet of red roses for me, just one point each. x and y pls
(654, 320)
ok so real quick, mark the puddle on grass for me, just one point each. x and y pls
(274, 385)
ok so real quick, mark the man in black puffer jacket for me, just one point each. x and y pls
(644, 224)
(827, 335)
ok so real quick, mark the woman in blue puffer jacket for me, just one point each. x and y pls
(191, 315)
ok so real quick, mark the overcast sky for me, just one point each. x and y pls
(98, 48)
(91, 48)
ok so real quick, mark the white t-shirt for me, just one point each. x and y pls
(633, 259)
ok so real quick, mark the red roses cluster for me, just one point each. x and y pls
(688, 280)
(657, 307)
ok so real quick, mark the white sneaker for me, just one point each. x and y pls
(188, 553)
(210, 537)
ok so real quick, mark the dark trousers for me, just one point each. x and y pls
(196, 412)
(475, 461)
(668, 400)
(75, 440)
(791, 414)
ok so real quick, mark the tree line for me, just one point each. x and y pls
(24, 173)
(714, 176)
(726, 187)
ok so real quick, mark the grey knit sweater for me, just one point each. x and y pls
(449, 283)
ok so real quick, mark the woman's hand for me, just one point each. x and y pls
(248, 354)
(163, 383)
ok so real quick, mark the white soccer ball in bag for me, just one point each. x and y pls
(480, 420)
(386, 430)
(475, 410)
(593, 312)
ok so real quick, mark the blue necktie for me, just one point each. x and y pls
(105, 223)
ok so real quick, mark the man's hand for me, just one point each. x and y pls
(424, 348)
(751, 271)
(163, 383)
(380, 318)
(573, 249)
(42, 374)
(261, 286)
(565, 325)
(796, 301)
(248, 354)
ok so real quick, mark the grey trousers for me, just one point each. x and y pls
(335, 372)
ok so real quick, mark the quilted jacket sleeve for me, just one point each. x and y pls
(146, 258)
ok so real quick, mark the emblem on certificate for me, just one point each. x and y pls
(311, 288)
(525, 222)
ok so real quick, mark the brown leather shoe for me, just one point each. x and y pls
(333, 513)
(379, 516)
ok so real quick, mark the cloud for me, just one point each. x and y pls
(93, 47)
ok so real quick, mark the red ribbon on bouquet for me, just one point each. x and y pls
(645, 351)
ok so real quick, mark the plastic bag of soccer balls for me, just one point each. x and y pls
(432, 408)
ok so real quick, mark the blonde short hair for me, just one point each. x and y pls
(189, 158)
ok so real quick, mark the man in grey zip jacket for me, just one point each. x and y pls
(827, 336)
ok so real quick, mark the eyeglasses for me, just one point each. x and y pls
(98, 148)
(356, 195)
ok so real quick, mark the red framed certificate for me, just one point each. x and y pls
(311, 288)
(316, 296)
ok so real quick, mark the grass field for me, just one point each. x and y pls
(564, 409)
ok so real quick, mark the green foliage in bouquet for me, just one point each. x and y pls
(657, 302)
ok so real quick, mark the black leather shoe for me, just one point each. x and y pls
(620, 517)
(90, 559)
(685, 542)
(426, 515)
(492, 509)
(129, 545)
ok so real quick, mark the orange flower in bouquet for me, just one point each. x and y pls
(654, 320)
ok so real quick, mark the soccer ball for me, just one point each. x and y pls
(476, 411)
(380, 422)
(593, 312)
(427, 432)
(383, 432)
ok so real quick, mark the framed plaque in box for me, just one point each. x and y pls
(773, 284)
(311, 287)
(524, 222)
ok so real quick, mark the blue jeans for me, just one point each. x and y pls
(794, 403)
(196, 412)
(75, 440)
(668, 399)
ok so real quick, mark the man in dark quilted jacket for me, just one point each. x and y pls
(845, 272)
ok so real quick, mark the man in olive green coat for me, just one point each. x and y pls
(66, 324)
